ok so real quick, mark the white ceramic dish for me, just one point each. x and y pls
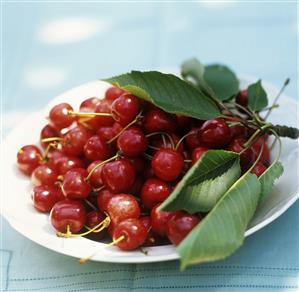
(21, 215)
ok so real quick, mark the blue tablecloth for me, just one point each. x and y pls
(51, 47)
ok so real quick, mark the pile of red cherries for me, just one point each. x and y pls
(105, 169)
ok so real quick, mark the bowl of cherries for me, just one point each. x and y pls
(114, 171)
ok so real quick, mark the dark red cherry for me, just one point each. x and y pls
(68, 213)
(132, 142)
(167, 164)
(138, 164)
(159, 121)
(103, 198)
(59, 116)
(179, 226)
(67, 163)
(159, 220)
(113, 93)
(259, 169)
(74, 184)
(242, 98)
(122, 206)
(125, 108)
(74, 140)
(44, 175)
(257, 146)
(152, 239)
(48, 132)
(247, 157)
(237, 131)
(44, 197)
(97, 149)
(137, 186)
(197, 153)
(118, 176)
(94, 218)
(104, 107)
(154, 191)
(28, 158)
(214, 133)
(89, 105)
(192, 140)
(184, 123)
(96, 178)
(133, 231)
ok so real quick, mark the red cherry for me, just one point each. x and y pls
(104, 107)
(214, 133)
(96, 178)
(89, 105)
(74, 140)
(159, 121)
(122, 206)
(28, 158)
(125, 108)
(68, 213)
(74, 184)
(237, 131)
(259, 169)
(133, 231)
(44, 175)
(242, 98)
(132, 142)
(59, 116)
(103, 198)
(257, 146)
(54, 158)
(159, 220)
(152, 239)
(66, 163)
(48, 132)
(97, 149)
(179, 226)
(192, 139)
(136, 187)
(118, 176)
(113, 93)
(197, 153)
(94, 218)
(154, 191)
(44, 197)
(247, 157)
(167, 164)
(184, 123)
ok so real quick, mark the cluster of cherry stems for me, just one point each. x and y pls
(106, 169)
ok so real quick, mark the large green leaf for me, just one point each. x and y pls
(205, 182)
(268, 177)
(168, 92)
(257, 96)
(221, 232)
(222, 80)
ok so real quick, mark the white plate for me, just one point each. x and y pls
(21, 215)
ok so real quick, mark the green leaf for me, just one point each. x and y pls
(192, 68)
(222, 80)
(257, 96)
(221, 232)
(205, 183)
(168, 92)
(268, 177)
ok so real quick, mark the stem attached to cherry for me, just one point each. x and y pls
(88, 115)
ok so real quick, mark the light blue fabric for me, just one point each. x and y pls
(259, 39)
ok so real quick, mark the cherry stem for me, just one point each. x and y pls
(51, 139)
(100, 164)
(277, 97)
(90, 204)
(126, 127)
(116, 241)
(162, 133)
(147, 156)
(153, 147)
(91, 115)
(51, 145)
(181, 140)
(98, 189)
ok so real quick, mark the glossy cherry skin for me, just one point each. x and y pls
(179, 226)
(197, 153)
(152, 238)
(48, 132)
(118, 176)
(97, 149)
(158, 121)
(54, 157)
(257, 146)
(132, 142)
(96, 178)
(154, 191)
(44, 197)
(74, 184)
(214, 133)
(68, 213)
(44, 175)
(28, 158)
(242, 98)
(102, 200)
(113, 93)
(159, 220)
(167, 164)
(59, 117)
(67, 163)
(192, 140)
(104, 107)
(125, 108)
(89, 105)
(134, 233)
(247, 157)
(74, 140)
(122, 206)
(259, 169)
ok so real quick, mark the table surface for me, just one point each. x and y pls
(50, 47)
